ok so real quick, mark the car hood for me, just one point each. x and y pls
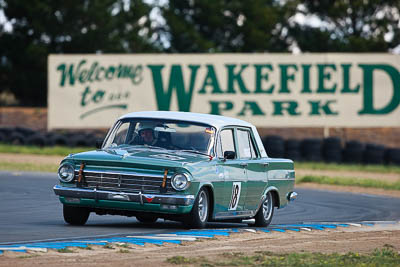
(139, 157)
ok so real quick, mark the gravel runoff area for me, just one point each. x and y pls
(342, 240)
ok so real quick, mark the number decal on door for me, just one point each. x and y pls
(235, 195)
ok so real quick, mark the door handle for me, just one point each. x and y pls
(266, 164)
(244, 164)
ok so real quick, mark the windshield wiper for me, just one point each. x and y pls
(195, 151)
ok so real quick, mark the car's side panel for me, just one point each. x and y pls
(281, 176)
(256, 182)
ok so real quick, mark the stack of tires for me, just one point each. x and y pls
(25, 136)
(392, 156)
(374, 154)
(353, 152)
(275, 146)
(292, 149)
(332, 150)
(311, 149)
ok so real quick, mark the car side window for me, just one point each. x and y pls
(226, 142)
(253, 149)
(244, 144)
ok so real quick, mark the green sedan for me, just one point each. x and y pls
(181, 166)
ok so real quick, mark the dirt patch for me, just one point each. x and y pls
(342, 240)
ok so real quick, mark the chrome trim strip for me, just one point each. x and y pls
(125, 173)
(130, 197)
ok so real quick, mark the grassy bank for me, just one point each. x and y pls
(347, 167)
(371, 183)
(49, 151)
(380, 257)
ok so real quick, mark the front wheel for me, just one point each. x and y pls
(75, 215)
(198, 217)
(266, 212)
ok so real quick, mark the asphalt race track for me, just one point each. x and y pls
(30, 211)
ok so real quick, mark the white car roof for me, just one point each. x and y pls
(213, 120)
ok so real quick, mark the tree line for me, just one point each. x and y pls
(34, 29)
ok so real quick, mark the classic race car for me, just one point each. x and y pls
(178, 166)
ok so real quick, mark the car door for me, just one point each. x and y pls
(256, 168)
(234, 175)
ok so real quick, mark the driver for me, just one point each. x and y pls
(146, 134)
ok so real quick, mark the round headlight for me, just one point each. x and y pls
(180, 181)
(66, 172)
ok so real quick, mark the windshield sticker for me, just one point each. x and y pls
(235, 195)
(166, 156)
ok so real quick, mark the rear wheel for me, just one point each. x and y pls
(75, 215)
(266, 212)
(146, 218)
(198, 217)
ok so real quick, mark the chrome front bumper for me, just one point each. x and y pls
(73, 192)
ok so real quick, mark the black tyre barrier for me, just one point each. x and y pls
(16, 138)
(6, 131)
(353, 152)
(79, 141)
(374, 154)
(392, 156)
(25, 131)
(292, 149)
(332, 150)
(91, 140)
(60, 140)
(3, 138)
(275, 146)
(311, 149)
(36, 140)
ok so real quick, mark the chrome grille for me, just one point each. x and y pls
(124, 182)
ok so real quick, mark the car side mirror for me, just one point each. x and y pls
(99, 143)
(229, 154)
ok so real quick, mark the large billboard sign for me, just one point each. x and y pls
(269, 90)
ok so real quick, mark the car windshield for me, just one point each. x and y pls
(161, 134)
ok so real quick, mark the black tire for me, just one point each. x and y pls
(353, 152)
(36, 140)
(374, 154)
(274, 146)
(79, 141)
(2, 138)
(266, 211)
(198, 217)
(392, 156)
(26, 132)
(16, 139)
(146, 218)
(75, 215)
(332, 149)
(292, 149)
(59, 140)
(311, 149)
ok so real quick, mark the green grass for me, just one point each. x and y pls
(65, 250)
(28, 167)
(348, 182)
(380, 257)
(36, 150)
(347, 167)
